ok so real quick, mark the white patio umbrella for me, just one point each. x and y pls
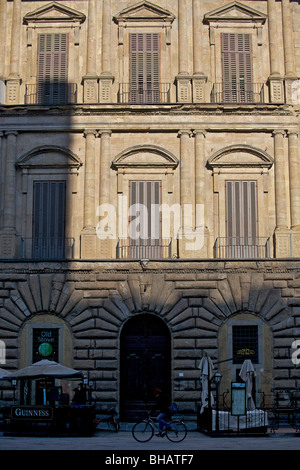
(4, 374)
(45, 368)
(247, 373)
(206, 368)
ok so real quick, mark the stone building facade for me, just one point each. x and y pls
(187, 110)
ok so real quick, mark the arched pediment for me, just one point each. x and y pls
(49, 156)
(240, 156)
(145, 156)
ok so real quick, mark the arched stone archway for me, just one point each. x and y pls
(145, 363)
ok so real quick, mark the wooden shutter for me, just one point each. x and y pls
(146, 242)
(237, 67)
(48, 219)
(241, 219)
(52, 68)
(144, 67)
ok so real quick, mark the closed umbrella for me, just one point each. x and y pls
(45, 368)
(206, 369)
(247, 374)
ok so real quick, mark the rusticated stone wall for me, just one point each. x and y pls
(197, 300)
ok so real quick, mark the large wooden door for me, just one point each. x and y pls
(145, 364)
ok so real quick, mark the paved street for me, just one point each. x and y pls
(123, 441)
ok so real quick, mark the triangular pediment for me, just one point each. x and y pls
(54, 12)
(144, 11)
(235, 12)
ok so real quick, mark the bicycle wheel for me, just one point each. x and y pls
(142, 431)
(177, 431)
(114, 425)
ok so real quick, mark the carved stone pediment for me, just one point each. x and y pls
(235, 12)
(237, 156)
(54, 12)
(144, 11)
(49, 157)
(142, 156)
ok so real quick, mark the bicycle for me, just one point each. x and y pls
(144, 430)
(111, 420)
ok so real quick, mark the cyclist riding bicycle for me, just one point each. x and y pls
(162, 404)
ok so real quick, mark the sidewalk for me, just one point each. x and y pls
(108, 442)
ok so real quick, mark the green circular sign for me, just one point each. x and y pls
(45, 349)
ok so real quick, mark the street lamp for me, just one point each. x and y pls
(217, 380)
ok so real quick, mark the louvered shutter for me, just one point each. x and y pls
(144, 67)
(237, 68)
(145, 235)
(241, 219)
(52, 68)
(48, 228)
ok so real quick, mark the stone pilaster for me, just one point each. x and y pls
(183, 79)
(275, 79)
(88, 234)
(14, 80)
(90, 80)
(106, 78)
(289, 50)
(198, 79)
(105, 245)
(200, 194)
(294, 191)
(186, 233)
(8, 233)
(282, 243)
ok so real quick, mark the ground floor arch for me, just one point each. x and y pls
(145, 363)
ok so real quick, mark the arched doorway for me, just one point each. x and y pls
(145, 364)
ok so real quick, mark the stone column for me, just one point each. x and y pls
(88, 235)
(13, 82)
(294, 191)
(183, 79)
(107, 232)
(90, 80)
(3, 4)
(275, 79)
(199, 79)
(200, 191)
(289, 49)
(282, 248)
(106, 79)
(8, 233)
(186, 203)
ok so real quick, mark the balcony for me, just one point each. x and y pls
(47, 248)
(242, 247)
(150, 93)
(243, 92)
(51, 93)
(144, 249)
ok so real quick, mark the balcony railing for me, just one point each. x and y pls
(144, 93)
(243, 92)
(242, 248)
(139, 249)
(47, 248)
(51, 93)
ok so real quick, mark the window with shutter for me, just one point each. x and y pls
(237, 68)
(48, 230)
(52, 68)
(144, 222)
(144, 68)
(241, 219)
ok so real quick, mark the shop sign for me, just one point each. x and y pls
(32, 413)
(238, 399)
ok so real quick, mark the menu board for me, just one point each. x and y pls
(238, 399)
